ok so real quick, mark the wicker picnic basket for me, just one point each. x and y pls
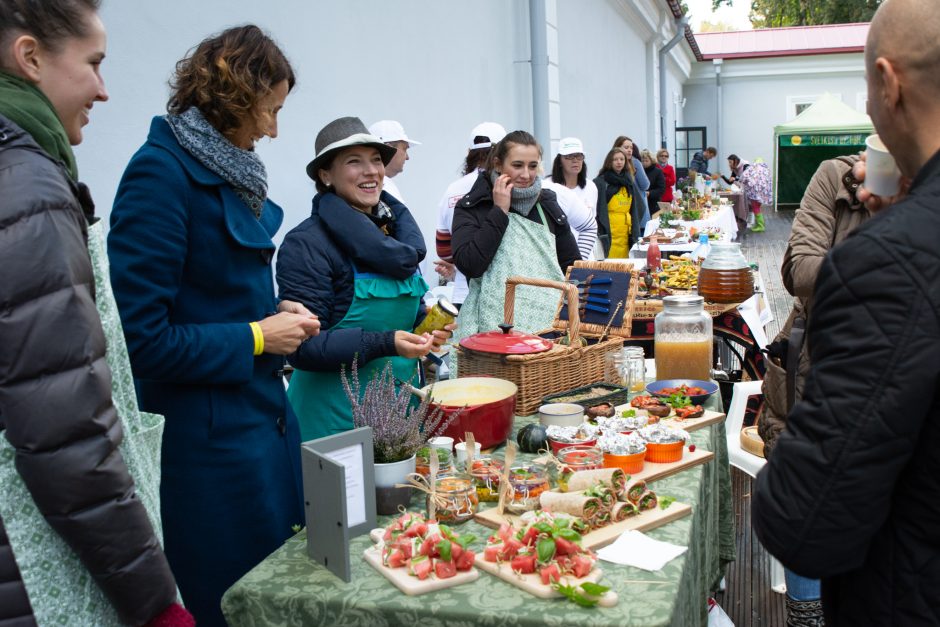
(539, 374)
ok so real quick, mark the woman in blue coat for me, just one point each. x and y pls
(190, 249)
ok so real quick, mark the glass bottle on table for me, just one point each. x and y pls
(701, 251)
(634, 368)
(683, 339)
(726, 276)
(654, 258)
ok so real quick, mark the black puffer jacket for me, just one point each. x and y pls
(852, 491)
(479, 226)
(55, 391)
(316, 266)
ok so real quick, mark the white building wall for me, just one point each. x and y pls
(439, 68)
(608, 73)
(759, 94)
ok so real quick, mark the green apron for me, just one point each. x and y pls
(380, 303)
(59, 588)
(527, 249)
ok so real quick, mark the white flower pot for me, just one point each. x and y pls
(388, 498)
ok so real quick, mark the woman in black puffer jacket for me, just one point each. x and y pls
(55, 385)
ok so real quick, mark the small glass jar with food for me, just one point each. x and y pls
(575, 458)
(423, 461)
(526, 483)
(485, 473)
(458, 500)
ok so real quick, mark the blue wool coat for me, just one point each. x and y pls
(190, 268)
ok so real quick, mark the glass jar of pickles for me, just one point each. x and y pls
(439, 315)
(485, 473)
(575, 458)
(526, 483)
(458, 502)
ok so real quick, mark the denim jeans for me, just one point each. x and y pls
(801, 588)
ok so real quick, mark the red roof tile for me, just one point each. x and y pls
(782, 42)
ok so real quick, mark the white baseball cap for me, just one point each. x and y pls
(570, 146)
(391, 131)
(491, 130)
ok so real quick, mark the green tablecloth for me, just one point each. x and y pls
(288, 588)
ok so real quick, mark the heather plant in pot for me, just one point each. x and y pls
(399, 428)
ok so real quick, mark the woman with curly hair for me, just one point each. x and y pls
(190, 249)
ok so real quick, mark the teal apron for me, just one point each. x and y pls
(380, 303)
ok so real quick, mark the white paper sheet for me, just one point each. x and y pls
(634, 548)
(351, 459)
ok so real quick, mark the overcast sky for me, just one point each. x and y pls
(736, 15)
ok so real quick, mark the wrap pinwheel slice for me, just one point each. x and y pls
(584, 479)
(635, 490)
(575, 504)
(649, 500)
(602, 519)
(623, 510)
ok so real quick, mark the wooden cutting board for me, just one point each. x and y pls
(534, 586)
(410, 585)
(692, 424)
(644, 521)
(653, 471)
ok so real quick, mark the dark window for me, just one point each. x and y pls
(689, 140)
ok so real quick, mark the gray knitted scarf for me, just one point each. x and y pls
(242, 169)
(522, 199)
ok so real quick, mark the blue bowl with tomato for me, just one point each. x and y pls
(698, 391)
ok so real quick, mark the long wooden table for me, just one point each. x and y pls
(288, 588)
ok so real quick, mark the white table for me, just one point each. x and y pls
(723, 218)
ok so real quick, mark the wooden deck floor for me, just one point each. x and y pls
(748, 599)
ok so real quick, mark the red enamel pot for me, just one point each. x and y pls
(489, 406)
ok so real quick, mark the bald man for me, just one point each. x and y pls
(852, 492)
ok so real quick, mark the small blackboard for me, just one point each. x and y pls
(606, 295)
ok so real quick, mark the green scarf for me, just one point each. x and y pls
(28, 108)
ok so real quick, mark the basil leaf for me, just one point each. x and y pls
(465, 540)
(444, 547)
(569, 534)
(594, 589)
(543, 527)
(583, 601)
(445, 531)
(545, 550)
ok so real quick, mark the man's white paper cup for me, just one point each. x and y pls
(882, 177)
(442, 442)
(461, 448)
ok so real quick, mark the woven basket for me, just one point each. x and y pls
(645, 309)
(751, 441)
(540, 374)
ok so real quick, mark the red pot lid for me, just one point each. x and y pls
(506, 342)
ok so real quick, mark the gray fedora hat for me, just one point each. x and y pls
(343, 133)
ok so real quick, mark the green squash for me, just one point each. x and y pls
(532, 438)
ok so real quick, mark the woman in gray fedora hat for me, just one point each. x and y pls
(354, 263)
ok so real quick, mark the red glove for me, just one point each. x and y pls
(173, 616)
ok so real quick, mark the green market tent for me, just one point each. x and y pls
(827, 129)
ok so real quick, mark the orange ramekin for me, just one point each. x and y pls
(630, 464)
(664, 453)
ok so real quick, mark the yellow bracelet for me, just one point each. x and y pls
(259, 337)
